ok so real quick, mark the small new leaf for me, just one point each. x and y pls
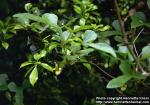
(5, 45)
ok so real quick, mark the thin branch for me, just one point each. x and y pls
(125, 39)
(136, 39)
(138, 35)
(98, 68)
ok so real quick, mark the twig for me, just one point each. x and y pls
(98, 68)
(125, 39)
(138, 35)
(136, 39)
(47, 37)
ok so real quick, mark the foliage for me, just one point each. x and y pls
(69, 50)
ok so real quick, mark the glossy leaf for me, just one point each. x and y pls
(33, 76)
(125, 67)
(123, 49)
(116, 25)
(5, 45)
(87, 65)
(52, 46)
(50, 19)
(82, 22)
(89, 36)
(65, 35)
(109, 33)
(146, 52)
(138, 19)
(103, 47)
(119, 81)
(46, 66)
(85, 51)
(25, 64)
(77, 9)
(40, 55)
(37, 56)
(29, 16)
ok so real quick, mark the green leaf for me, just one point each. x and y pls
(116, 25)
(148, 3)
(119, 81)
(50, 19)
(87, 65)
(75, 47)
(138, 19)
(125, 67)
(12, 87)
(85, 51)
(27, 16)
(146, 52)
(52, 46)
(138, 75)
(28, 6)
(33, 76)
(72, 57)
(43, 53)
(37, 56)
(21, 18)
(89, 36)
(80, 28)
(109, 33)
(46, 66)
(3, 87)
(3, 79)
(5, 45)
(82, 22)
(77, 9)
(103, 47)
(25, 64)
(123, 49)
(40, 55)
(65, 35)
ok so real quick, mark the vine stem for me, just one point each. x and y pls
(125, 38)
